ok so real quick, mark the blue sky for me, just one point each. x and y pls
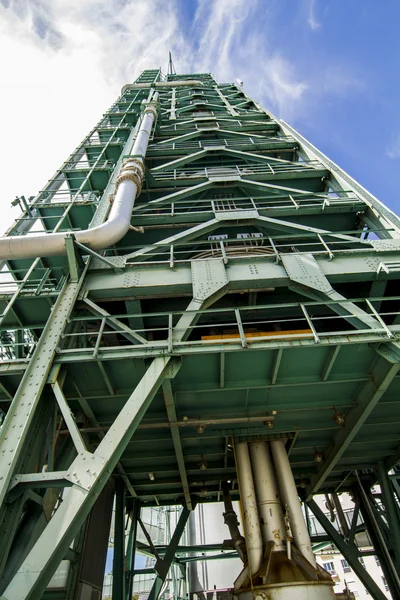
(328, 67)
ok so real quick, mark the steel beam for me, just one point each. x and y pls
(118, 583)
(69, 419)
(176, 439)
(391, 511)
(162, 566)
(116, 324)
(131, 550)
(349, 551)
(18, 419)
(347, 266)
(382, 375)
(387, 217)
(91, 471)
(329, 362)
(378, 539)
(91, 474)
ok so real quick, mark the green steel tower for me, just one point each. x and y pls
(198, 307)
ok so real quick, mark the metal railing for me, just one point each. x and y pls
(264, 326)
(260, 203)
(223, 141)
(275, 168)
(243, 327)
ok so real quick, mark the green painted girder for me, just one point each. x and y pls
(303, 379)
(171, 130)
(310, 180)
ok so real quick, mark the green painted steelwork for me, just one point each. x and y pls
(255, 295)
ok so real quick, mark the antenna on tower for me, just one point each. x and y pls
(171, 68)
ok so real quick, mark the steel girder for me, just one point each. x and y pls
(89, 472)
(187, 157)
(349, 551)
(162, 565)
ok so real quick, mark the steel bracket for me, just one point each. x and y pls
(208, 277)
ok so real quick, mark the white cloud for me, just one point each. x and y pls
(62, 73)
(393, 150)
(67, 61)
(312, 20)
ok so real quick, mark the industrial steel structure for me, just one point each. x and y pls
(199, 306)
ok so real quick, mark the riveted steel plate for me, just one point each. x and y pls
(208, 276)
(233, 215)
(131, 279)
(304, 269)
(385, 244)
(222, 178)
(214, 148)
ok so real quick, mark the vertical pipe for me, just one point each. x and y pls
(290, 497)
(250, 513)
(269, 504)
(230, 519)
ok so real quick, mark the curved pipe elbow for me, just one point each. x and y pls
(128, 186)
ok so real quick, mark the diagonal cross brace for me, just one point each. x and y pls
(349, 551)
(162, 566)
(91, 471)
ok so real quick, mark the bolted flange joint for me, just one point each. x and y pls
(153, 108)
(132, 170)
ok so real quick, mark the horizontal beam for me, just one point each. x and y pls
(199, 347)
(382, 375)
(354, 266)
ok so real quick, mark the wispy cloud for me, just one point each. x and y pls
(393, 150)
(312, 20)
(73, 58)
(122, 37)
(236, 44)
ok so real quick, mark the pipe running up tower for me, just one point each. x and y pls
(280, 563)
(192, 256)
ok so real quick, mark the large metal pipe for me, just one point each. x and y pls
(251, 521)
(268, 500)
(128, 185)
(230, 519)
(290, 498)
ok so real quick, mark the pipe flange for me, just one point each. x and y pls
(152, 108)
(132, 170)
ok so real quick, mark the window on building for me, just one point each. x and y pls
(345, 565)
(385, 583)
(330, 567)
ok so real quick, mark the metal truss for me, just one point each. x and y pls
(254, 275)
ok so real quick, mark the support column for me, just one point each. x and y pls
(251, 521)
(378, 541)
(269, 504)
(349, 551)
(93, 550)
(118, 585)
(162, 565)
(131, 550)
(392, 511)
(195, 585)
(290, 497)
